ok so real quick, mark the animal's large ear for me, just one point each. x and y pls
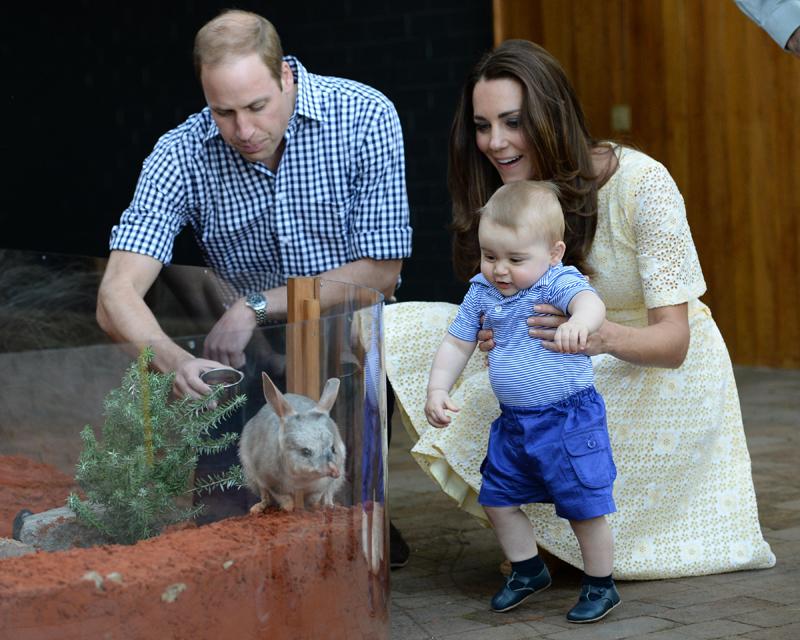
(328, 397)
(275, 398)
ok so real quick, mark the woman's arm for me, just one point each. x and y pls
(586, 315)
(662, 343)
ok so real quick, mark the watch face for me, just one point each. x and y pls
(256, 301)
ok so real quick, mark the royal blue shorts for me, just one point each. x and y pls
(558, 453)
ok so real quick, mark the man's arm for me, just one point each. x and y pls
(226, 341)
(123, 314)
(381, 275)
(793, 45)
(779, 18)
(379, 219)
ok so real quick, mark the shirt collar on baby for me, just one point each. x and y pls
(541, 282)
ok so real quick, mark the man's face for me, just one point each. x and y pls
(250, 107)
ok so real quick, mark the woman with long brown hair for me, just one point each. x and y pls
(684, 493)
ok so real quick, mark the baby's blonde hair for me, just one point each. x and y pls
(528, 204)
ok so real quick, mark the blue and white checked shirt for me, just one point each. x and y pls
(522, 372)
(339, 194)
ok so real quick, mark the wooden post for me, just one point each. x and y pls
(302, 337)
(303, 345)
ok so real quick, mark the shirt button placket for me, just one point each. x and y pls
(283, 224)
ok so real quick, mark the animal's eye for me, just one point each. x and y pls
(306, 452)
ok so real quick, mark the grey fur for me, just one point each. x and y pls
(292, 445)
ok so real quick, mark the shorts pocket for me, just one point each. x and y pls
(590, 457)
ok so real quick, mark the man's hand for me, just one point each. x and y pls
(229, 336)
(436, 406)
(793, 45)
(187, 377)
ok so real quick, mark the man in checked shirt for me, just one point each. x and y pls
(283, 173)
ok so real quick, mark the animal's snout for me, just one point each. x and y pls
(333, 470)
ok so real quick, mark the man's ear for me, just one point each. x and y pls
(287, 77)
(557, 252)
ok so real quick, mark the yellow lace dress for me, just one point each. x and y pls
(684, 491)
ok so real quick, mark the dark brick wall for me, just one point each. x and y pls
(93, 84)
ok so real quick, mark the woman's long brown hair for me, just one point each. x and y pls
(553, 123)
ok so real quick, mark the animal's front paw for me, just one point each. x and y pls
(261, 507)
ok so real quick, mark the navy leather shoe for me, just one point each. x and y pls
(398, 548)
(594, 603)
(518, 589)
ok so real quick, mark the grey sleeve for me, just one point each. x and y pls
(779, 18)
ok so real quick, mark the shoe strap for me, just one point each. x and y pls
(590, 590)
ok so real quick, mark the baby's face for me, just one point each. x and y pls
(513, 259)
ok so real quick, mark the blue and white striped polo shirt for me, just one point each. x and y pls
(339, 194)
(522, 372)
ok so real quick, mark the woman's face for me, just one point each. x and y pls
(496, 106)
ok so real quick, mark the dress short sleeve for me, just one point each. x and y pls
(666, 256)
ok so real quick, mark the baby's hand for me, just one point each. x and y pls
(571, 337)
(437, 404)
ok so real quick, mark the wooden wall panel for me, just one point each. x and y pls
(716, 100)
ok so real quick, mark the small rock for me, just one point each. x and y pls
(227, 564)
(172, 592)
(10, 548)
(58, 529)
(93, 576)
(115, 576)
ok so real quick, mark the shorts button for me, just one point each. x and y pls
(591, 443)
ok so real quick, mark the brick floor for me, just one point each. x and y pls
(443, 591)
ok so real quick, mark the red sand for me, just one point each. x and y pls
(25, 484)
(278, 575)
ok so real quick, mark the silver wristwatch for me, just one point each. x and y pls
(258, 303)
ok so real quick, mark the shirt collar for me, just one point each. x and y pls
(213, 130)
(541, 282)
(309, 104)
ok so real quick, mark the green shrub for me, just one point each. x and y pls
(133, 480)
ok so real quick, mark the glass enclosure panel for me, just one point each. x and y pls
(311, 562)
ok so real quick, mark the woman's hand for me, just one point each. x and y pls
(544, 327)
(485, 340)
